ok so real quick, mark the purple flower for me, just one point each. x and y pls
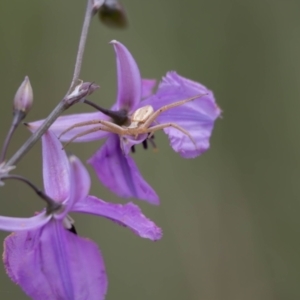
(114, 167)
(43, 255)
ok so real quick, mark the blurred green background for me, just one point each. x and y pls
(230, 217)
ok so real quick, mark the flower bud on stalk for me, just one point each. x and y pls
(112, 14)
(24, 97)
(22, 104)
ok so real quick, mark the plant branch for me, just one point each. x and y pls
(50, 202)
(17, 118)
(74, 95)
(82, 42)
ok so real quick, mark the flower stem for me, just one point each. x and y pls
(50, 202)
(65, 102)
(37, 134)
(17, 118)
(83, 37)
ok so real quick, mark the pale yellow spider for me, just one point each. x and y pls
(139, 123)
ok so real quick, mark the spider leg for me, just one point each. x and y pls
(169, 106)
(152, 129)
(87, 132)
(150, 139)
(92, 122)
(112, 126)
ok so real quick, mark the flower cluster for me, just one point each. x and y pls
(44, 254)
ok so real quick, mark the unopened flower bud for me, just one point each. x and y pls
(112, 14)
(24, 97)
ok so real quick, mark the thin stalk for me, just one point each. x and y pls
(53, 205)
(17, 118)
(6, 142)
(82, 42)
(65, 102)
(37, 134)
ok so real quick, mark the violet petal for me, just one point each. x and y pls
(65, 122)
(129, 141)
(129, 78)
(56, 171)
(81, 178)
(197, 116)
(147, 87)
(128, 215)
(119, 173)
(21, 224)
(53, 263)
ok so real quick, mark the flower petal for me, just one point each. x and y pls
(56, 171)
(64, 122)
(53, 263)
(81, 177)
(147, 87)
(21, 224)
(129, 78)
(197, 116)
(128, 141)
(119, 173)
(128, 215)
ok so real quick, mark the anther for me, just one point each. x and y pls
(72, 229)
(145, 145)
(132, 149)
(151, 141)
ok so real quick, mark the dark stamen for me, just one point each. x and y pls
(145, 145)
(152, 142)
(132, 149)
(119, 117)
(73, 229)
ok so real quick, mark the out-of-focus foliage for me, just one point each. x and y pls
(230, 217)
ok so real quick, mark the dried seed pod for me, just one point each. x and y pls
(112, 14)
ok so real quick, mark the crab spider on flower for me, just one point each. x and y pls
(184, 109)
